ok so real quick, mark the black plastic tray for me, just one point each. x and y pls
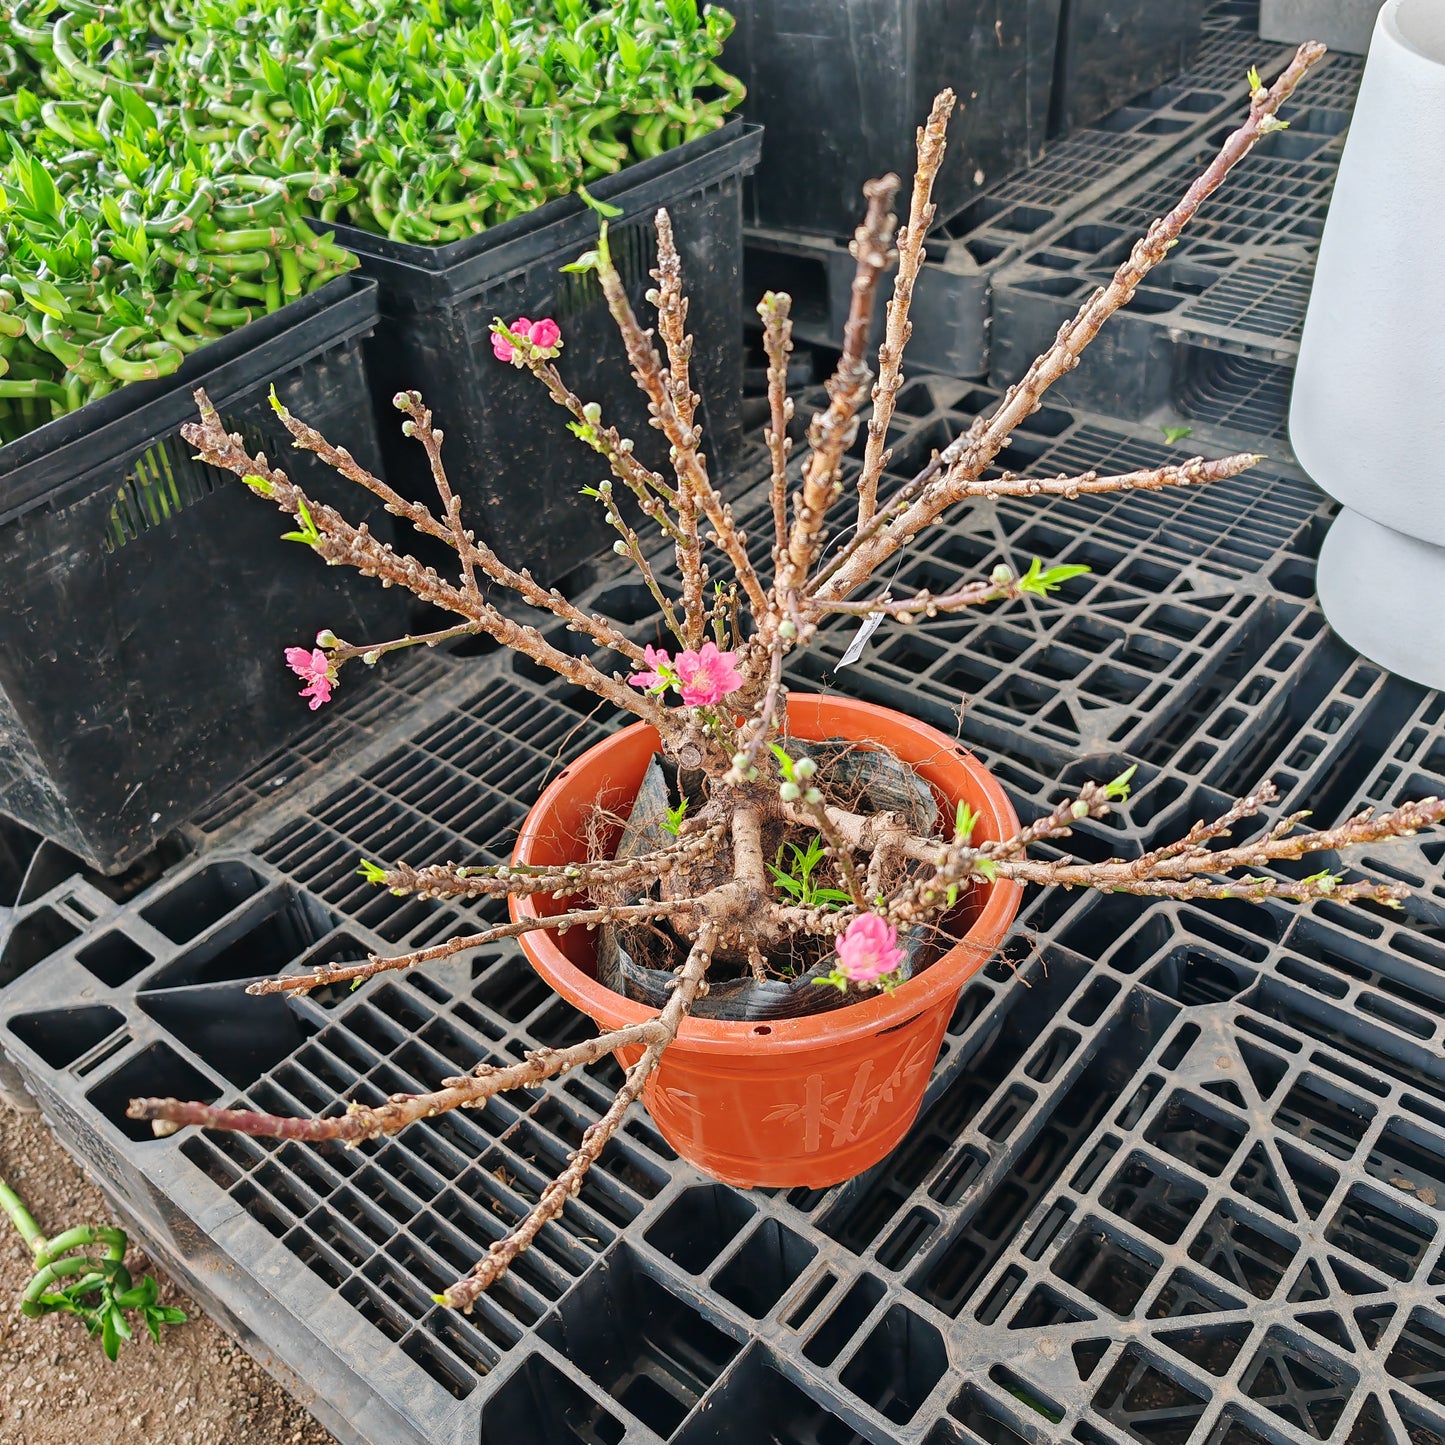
(973, 243)
(507, 446)
(146, 599)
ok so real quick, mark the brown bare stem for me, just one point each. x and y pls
(947, 476)
(342, 544)
(1158, 873)
(358, 973)
(687, 462)
(832, 431)
(689, 983)
(472, 553)
(508, 880)
(346, 651)
(898, 328)
(361, 1121)
(672, 325)
(775, 310)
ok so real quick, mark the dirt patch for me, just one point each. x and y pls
(195, 1388)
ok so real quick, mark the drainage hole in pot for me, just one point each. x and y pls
(763, 1029)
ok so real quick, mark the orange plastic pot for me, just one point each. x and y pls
(801, 1101)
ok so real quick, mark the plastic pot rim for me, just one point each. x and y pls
(878, 1013)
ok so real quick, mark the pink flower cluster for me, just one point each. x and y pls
(315, 667)
(704, 677)
(868, 949)
(545, 335)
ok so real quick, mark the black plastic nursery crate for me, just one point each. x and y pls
(1179, 1176)
(972, 243)
(507, 446)
(840, 85)
(1110, 50)
(146, 598)
(1236, 286)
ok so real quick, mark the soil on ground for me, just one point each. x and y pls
(195, 1388)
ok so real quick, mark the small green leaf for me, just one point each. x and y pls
(587, 261)
(1041, 581)
(1119, 787)
(965, 820)
(1252, 76)
(372, 872)
(259, 485)
(1174, 434)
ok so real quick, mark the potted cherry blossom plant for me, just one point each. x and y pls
(768, 901)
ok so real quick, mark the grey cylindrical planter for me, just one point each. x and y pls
(1342, 24)
(1367, 418)
(1384, 594)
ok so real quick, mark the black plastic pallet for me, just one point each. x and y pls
(1178, 582)
(1232, 294)
(1170, 1171)
(968, 251)
(1179, 1173)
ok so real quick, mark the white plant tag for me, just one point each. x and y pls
(860, 639)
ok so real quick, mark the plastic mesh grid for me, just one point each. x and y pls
(1240, 277)
(1265, 296)
(1240, 393)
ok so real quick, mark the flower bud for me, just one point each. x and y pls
(327, 638)
(1080, 809)
(788, 629)
(1001, 575)
(399, 401)
(620, 547)
(592, 412)
(790, 792)
(804, 768)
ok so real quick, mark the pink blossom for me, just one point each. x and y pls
(315, 668)
(868, 949)
(656, 658)
(707, 676)
(503, 349)
(545, 335)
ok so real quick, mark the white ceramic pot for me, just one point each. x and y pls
(1367, 417)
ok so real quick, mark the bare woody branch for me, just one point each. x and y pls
(1158, 873)
(363, 1121)
(473, 553)
(899, 328)
(672, 324)
(357, 973)
(940, 483)
(691, 471)
(832, 431)
(775, 309)
(689, 983)
(503, 880)
(341, 544)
